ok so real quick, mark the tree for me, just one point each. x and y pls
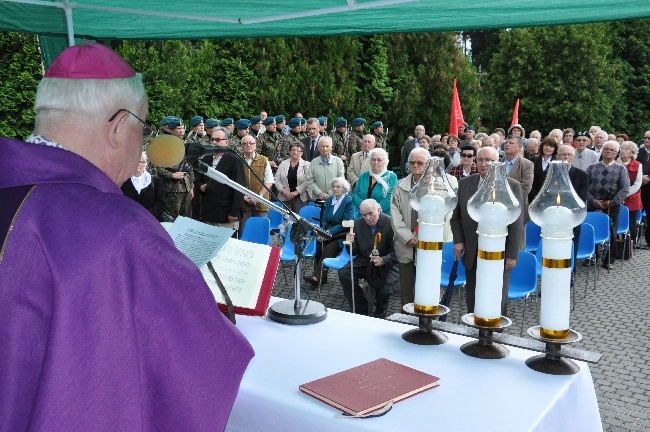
(564, 76)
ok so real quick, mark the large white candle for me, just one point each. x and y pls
(428, 268)
(556, 286)
(489, 279)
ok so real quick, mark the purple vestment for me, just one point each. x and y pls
(104, 324)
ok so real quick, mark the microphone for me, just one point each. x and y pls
(167, 151)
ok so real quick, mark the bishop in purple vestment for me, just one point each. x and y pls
(104, 324)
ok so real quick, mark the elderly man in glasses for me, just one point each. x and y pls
(104, 324)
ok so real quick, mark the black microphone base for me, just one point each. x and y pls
(307, 312)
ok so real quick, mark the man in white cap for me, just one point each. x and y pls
(104, 324)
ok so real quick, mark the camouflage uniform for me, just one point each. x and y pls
(177, 192)
(355, 143)
(288, 142)
(269, 145)
(193, 137)
(380, 141)
(199, 178)
(338, 143)
(235, 142)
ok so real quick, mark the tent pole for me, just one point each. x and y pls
(68, 20)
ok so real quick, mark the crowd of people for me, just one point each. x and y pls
(300, 161)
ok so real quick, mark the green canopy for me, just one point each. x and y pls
(201, 19)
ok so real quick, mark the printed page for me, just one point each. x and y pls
(198, 241)
(241, 266)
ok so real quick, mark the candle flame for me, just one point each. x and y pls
(494, 194)
(558, 198)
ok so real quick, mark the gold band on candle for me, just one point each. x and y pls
(425, 245)
(491, 256)
(425, 309)
(487, 322)
(556, 263)
(553, 334)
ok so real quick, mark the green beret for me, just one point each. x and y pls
(195, 121)
(322, 120)
(227, 121)
(176, 122)
(303, 120)
(359, 122)
(376, 124)
(256, 119)
(279, 118)
(242, 124)
(166, 120)
(267, 121)
(340, 122)
(210, 123)
(294, 122)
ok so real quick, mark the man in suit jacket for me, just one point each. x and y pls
(310, 142)
(360, 161)
(371, 226)
(221, 203)
(406, 150)
(520, 169)
(579, 181)
(463, 228)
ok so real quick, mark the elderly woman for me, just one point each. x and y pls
(404, 221)
(291, 179)
(147, 190)
(628, 154)
(378, 183)
(454, 151)
(540, 164)
(338, 207)
(425, 142)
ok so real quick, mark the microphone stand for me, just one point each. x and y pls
(294, 312)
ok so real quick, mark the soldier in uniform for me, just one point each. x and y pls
(293, 137)
(355, 143)
(322, 122)
(241, 129)
(281, 125)
(270, 143)
(165, 124)
(210, 124)
(256, 127)
(339, 139)
(377, 130)
(303, 127)
(178, 180)
(229, 124)
(197, 134)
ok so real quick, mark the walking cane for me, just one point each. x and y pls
(350, 224)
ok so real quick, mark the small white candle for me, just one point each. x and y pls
(429, 267)
(432, 209)
(489, 278)
(556, 284)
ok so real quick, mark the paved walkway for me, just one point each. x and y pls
(613, 320)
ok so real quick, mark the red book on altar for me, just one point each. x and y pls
(369, 387)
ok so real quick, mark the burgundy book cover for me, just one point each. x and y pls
(369, 387)
(267, 288)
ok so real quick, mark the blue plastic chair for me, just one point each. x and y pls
(447, 264)
(336, 263)
(275, 218)
(624, 228)
(523, 282)
(600, 222)
(312, 214)
(587, 249)
(533, 233)
(257, 230)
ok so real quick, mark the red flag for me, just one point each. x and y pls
(515, 114)
(456, 119)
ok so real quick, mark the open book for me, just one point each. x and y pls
(247, 270)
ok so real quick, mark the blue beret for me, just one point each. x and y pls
(166, 120)
(294, 122)
(268, 121)
(470, 127)
(174, 123)
(196, 120)
(227, 121)
(210, 123)
(340, 122)
(256, 119)
(279, 118)
(376, 124)
(322, 120)
(242, 124)
(358, 121)
(303, 120)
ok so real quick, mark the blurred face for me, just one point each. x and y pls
(469, 134)
(484, 157)
(419, 131)
(626, 153)
(377, 162)
(218, 138)
(453, 143)
(567, 138)
(646, 140)
(368, 143)
(312, 130)
(609, 153)
(369, 213)
(548, 149)
(436, 140)
(342, 129)
(325, 148)
(230, 127)
(444, 140)
(337, 189)
(199, 128)
(581, 142)
(424, 143)
(256, 126)
(566, 153)
(264, 115)
(178, 131)
(511, 148)
(303, 127)
(379, 130)
(359, 128)
(142, 165)
(487, 142)
(417, 163)
(248, 145)
(620, 140)
(532, 149)
(242, 132)
(516, 132)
